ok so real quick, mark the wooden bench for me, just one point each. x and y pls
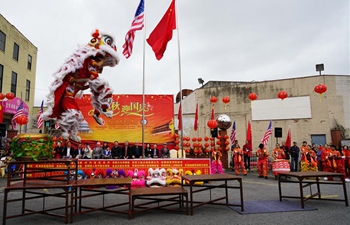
(152, 195)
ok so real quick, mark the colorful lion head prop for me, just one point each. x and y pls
(79, 72)
(156, 177)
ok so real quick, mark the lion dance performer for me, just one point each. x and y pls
(262, 155)
(80, 72)
(216, 164)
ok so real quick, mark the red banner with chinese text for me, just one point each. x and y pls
(127, 117)
(192, 165)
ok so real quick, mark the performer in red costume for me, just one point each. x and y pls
(262, 155)
(80, 72)
(238, 159)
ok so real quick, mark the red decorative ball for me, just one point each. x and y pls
(252, 96)
(2, 96)
(282, 95)
(321, 88)
(226, 99)
(213, 99)
(10, 96)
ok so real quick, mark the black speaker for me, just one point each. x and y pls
(2, 130)
(278, 132)
(214, 132)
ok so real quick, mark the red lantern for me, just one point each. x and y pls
(177, 147)
(252, 96)
(194, 139)
(219, 137)
(282, 95)
(206, 139)
(195, 151)
(225, 99)
(213, 99)
(321, 88)
(188, 145)
(211, 138)
(199, 139)
(199, 145)
(10, 96)
(176, 142)
(187, 151)
(227, 143)
(227, 149)
(206, 151)
(226, 136)
(2, 96)
(194, 145)
(176, 136)
(200, 151)
(212, 144)
(54, 145)
(21, 120)
(219, 148)
(61, 138)
(206, 145)
(188, 138)
(218, 142)
(54, 139)
(212, 124)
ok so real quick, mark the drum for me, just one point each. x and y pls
(280, 165)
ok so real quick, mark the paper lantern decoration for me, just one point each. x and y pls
(177, 147)
(176, 142)
(252, 96)
(212, 124)
(206, 138)
(21, 120)
(226, 136)
(225, 100)
(194, 139)
(2, 96)
(176, 136)
(320, 89)
(199, 139)
(213, 99)
(10, 96)
(282, 95)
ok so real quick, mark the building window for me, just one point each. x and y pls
(29, 66)
(2, 40)
(15, 51)
(14, 82)
(27, 90)
(1, 76)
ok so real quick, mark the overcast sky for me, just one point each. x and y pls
(227, 40)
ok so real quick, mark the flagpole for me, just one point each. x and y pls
(179, 61)
(143, 82)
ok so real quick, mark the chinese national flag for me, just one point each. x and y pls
(195, 126)
(249, 133)
(179, 117)
(163, 32)
(289, 139)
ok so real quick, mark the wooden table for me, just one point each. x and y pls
(96, 187)
(210, 182)
(316, 178)
(151, 195)
(32, 179)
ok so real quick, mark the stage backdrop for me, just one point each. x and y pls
(127, 118)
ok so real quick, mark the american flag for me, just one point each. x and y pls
(137, 24)
(233, 133)
(267, 134)
(18, 113)
(40, 119)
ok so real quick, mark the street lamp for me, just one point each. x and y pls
(319, 67)
(201, 81)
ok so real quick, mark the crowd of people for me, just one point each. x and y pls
(327, 158)
(105, 151)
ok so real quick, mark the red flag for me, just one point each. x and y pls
(289, 139)
(212, 116)
(163, 32)
(249, 133)
(195, 126)
(179, 118)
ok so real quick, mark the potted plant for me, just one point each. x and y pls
(29, 147)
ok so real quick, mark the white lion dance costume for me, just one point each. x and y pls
(80, 72)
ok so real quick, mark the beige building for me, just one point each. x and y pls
(18, 57)
(309, 115)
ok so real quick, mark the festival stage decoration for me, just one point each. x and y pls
(173, 177)
(223, 121)
(282, 95)
(80, 72)
(212, 124)
(206, 145)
